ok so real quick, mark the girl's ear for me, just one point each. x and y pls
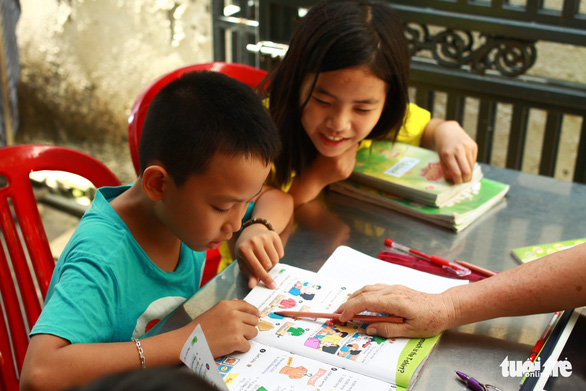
(155, 180)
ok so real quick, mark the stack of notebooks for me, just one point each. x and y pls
(410, 180)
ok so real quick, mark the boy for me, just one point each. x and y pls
(206, 149)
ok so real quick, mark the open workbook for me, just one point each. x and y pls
(311, 354)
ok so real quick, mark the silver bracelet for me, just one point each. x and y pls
(140, 352)
(257, 220)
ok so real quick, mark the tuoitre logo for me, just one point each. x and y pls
(527, 368)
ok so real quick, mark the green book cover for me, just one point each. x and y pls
(408, 171)
(457, 215)
(529, 253)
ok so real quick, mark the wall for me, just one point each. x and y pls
(85, 61)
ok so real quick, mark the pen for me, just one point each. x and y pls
(544, 336)
(470, 382)
(444, 263)
(326, 315)
(474, 384)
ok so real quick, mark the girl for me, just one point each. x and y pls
(342, 83)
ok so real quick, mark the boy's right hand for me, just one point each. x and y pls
(229, 325)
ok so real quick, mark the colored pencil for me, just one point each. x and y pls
(477, 269)
(326, 315)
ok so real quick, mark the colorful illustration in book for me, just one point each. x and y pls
(432, 172)
(287, 303)
(304, 290)
(294, 373)
(284, 328)
(276, 301)
(225, 364)
(263, 325)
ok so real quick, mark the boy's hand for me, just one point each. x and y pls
(424, 314)
(457, 151)
(229, 325)
(258, 249)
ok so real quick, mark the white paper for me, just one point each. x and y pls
(347, 264)
(197, 356)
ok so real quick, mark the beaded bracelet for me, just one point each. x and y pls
(257, 220)
(140, 352)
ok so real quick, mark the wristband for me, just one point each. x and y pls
(256, 220)
(140, 352)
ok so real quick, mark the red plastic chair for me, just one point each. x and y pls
(26, 262)
(245, 73)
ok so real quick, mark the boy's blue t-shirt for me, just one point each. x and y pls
(105, 288)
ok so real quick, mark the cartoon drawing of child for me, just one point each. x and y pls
(294, 373)
(350, 351)
(304, 290)
(308, 291)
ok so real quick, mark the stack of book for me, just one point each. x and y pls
(410, 180)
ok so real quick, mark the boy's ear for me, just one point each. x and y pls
(154, 181)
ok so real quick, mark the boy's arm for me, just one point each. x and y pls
(553, 283)
(53, 363)
(258, 249)
(456, 149)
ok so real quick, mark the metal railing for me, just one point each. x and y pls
(467, 56)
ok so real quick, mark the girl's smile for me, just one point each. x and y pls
(343, 108)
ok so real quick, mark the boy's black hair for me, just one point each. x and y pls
(337, 34)
(200, 114)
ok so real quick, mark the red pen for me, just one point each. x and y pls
(444, 263)
(544, 336)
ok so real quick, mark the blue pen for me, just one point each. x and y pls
(474, 384)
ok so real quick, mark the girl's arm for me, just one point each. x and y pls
(323, 171)
(456, 149)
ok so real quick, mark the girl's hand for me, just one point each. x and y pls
(257, 251)
(456, 149)
(228, 326)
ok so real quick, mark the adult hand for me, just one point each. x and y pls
(424, 314)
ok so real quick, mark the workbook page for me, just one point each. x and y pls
(345, 345)
(362, 269)
(267, 368)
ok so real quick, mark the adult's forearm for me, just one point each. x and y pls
(552, 283)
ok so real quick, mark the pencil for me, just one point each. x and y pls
(477, 269)
(326, 315)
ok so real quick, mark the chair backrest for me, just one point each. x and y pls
(245, 73)
(26, 263)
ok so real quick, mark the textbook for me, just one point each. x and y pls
(407, 171)
(322, 354)
(529, 253)
(458, 214)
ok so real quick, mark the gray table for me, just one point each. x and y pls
(537, 210)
